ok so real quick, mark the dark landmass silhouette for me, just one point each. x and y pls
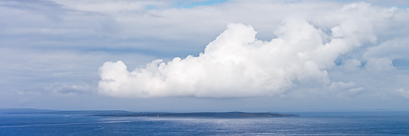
(202, 114)
(121, 113)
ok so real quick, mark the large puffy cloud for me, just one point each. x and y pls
(236, 64)
(56, 46)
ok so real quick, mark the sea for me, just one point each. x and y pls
(374, 123)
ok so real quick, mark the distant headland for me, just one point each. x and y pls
(201, 114)
(121, 113)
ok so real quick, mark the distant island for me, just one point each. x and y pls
(200, 114)
(121, 113)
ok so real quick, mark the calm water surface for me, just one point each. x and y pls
(330, 123)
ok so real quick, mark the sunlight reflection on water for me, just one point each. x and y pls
(307, 124)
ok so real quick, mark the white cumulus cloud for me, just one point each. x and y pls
(236, 64)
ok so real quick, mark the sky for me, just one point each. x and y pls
(205, 55)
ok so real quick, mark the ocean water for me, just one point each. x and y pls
(307, 123)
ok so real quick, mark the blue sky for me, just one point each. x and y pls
(216, 55)
(192, 4)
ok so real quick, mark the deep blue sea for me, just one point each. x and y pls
(307, 123)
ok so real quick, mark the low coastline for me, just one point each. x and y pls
(120, 113)
(201, 114)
